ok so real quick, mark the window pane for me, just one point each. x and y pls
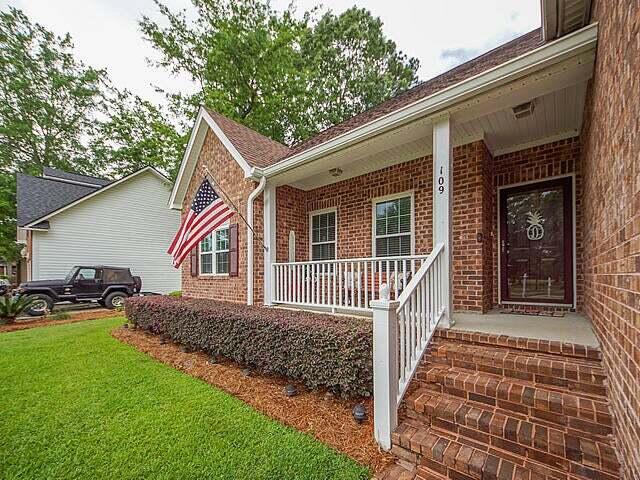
(86, 274)
(331, 219)
(206, 244)
(381, 226)
(222, 262)
(405, 224)
(393, 224)
(206, 263)
(222, 239)
(405, 205)
(316, 235)
(381, 247)
(325, 251)
(322, 235)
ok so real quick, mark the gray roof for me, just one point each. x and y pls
(74, 177)
(38, 196)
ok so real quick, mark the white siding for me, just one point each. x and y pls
(129, 225)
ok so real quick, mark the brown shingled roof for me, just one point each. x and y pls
(261, 151)
(255, 148)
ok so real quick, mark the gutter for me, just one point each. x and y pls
(258, 190)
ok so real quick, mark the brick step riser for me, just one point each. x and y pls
(556, 416)
(565, 350)
(592, 384)
(563, 460)
(449, 464)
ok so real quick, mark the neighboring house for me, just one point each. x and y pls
(509, 182)
(66, 219)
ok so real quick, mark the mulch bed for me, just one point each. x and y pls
(75, 317)
(327, 418)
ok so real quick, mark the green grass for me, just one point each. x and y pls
(76, 403)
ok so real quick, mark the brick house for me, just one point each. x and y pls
(507, 183)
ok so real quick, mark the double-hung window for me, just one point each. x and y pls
(323, 235)
(393, 226)
(214, 253)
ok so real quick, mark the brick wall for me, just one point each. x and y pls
(538, 163)
(611, 170)
(231, 179)
(352, 199)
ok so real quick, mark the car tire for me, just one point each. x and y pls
(115, 300)
(43, 302)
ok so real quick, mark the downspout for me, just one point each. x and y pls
(258, 190)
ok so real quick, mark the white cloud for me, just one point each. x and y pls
(439, 33)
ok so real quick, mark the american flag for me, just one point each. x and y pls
(207, 213)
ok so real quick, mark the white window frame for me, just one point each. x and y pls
(214, 262)
(386, 198)
(311, 242)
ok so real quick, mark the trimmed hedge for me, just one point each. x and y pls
(319, 350)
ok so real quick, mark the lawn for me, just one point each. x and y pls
(76, 403)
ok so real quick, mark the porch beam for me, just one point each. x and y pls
(443, 208)
(270, 242)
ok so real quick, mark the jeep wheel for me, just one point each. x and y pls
(41, 304)
(115, 300)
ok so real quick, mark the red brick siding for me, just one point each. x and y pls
(353, 200)
(538, 163)
(231, 180)
(611, 166)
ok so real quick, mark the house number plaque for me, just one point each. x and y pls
(441, 180)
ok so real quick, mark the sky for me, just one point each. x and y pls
(440, 33)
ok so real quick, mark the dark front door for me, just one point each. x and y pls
(536, 242)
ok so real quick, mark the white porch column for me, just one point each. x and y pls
(385, 368)
(443, 207)
(270, 242)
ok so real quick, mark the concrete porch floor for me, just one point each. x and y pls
(572, 328)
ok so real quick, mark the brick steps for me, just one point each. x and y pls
(578, 375)
(516, 396)
(438, 452)
(484, 426)
(501, 408)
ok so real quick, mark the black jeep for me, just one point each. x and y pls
(109, 286)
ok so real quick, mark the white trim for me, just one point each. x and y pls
(335, 241)
(541, 57)
(574, 220)
(190, 158)
(75, 182)
(386, 198)
(535, 143)
(97, 192)
(213, 252)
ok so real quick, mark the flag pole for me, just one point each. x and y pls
(209, 176)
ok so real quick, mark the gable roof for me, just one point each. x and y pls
(255, 148)
(41, 198)
(74, 177)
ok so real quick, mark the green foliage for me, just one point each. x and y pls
(11, 307)
(136, 134)
(61, 315)
(79, 404)
(177, 293)
(282, 76)
(319, 350)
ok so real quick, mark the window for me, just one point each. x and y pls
(323, 235)
(87, 274)
(214, 253)
(393, 227)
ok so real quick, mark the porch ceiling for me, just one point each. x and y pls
(558, 94)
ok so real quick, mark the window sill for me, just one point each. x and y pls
(213, 275)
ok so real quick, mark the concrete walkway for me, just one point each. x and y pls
(572, 328)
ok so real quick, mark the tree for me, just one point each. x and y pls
(48, 99)
(284, 77)
(136, 134)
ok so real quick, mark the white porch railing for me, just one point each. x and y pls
(402, 330)
(347, 284)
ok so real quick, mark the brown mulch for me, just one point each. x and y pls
(75, 317)
(321, 415)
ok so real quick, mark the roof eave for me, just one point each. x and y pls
(437, 103)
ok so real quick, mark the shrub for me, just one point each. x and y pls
(318, 350)
(61, 315)
(11, 307)
(177, 293)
